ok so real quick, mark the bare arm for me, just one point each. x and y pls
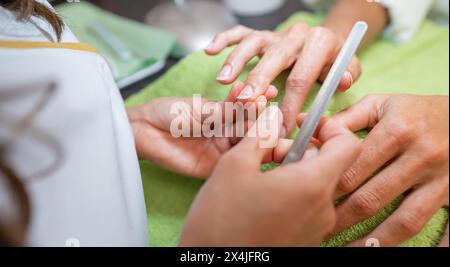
(346, 12)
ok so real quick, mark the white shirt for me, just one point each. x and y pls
(94, 195)
(406, 16)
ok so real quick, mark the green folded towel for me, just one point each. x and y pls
(419, 66)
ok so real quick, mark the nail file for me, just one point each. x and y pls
(325, 93)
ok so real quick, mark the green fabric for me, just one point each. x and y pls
(148, 44)
(419, 66)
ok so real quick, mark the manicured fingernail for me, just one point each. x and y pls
(225, 73)
(246, 93)
(350, 77)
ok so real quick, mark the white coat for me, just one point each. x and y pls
(91, 192)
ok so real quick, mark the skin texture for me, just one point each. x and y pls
(289, 206)
(409, 143)
(308, 51)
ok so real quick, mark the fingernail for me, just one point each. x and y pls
(246, 93)
(350, 77)
(210, 46)
(225, 73)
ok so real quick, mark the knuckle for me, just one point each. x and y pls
(256, 36)
(240, 28)
(322, 32)
(347, 183)
(365, 204)
(400, 132)
(434, 152)
(297, 83)
(257, 76)
(411, 223)
(298, 27)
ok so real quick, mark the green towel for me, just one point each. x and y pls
(419, 66)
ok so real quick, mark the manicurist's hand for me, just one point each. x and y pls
(309, 51)
(192, 156)
(408, 143)
(289, 206)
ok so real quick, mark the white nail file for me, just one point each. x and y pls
(326, 92)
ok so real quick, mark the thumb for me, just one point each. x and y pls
(261, 139)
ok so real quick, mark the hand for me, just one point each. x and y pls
(288, 206)
(194, 156)
(409, 143)
(310, 51)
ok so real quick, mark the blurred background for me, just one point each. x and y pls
(191, 23)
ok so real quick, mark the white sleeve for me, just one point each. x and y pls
(406, 16)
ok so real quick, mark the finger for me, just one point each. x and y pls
(410, 218)
(276, 59)
(261, 104)
(234, 92)
(282, 149)
(339, 149)
(227, 38)
(279, 151)
(315, 138)
(237, 88)
(238, 58)
(315, 55)
(260, 140)
(379, 147)
(271, 93)
(364, 114)
(377, 193)
(350, 76)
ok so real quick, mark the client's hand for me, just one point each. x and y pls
(192, 156)
(310, 51)
(288, 206)
(409, 143)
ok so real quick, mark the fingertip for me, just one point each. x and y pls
(261, 99)
(300, 118)
(211, 49)
(346, 82)
(271, 92)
